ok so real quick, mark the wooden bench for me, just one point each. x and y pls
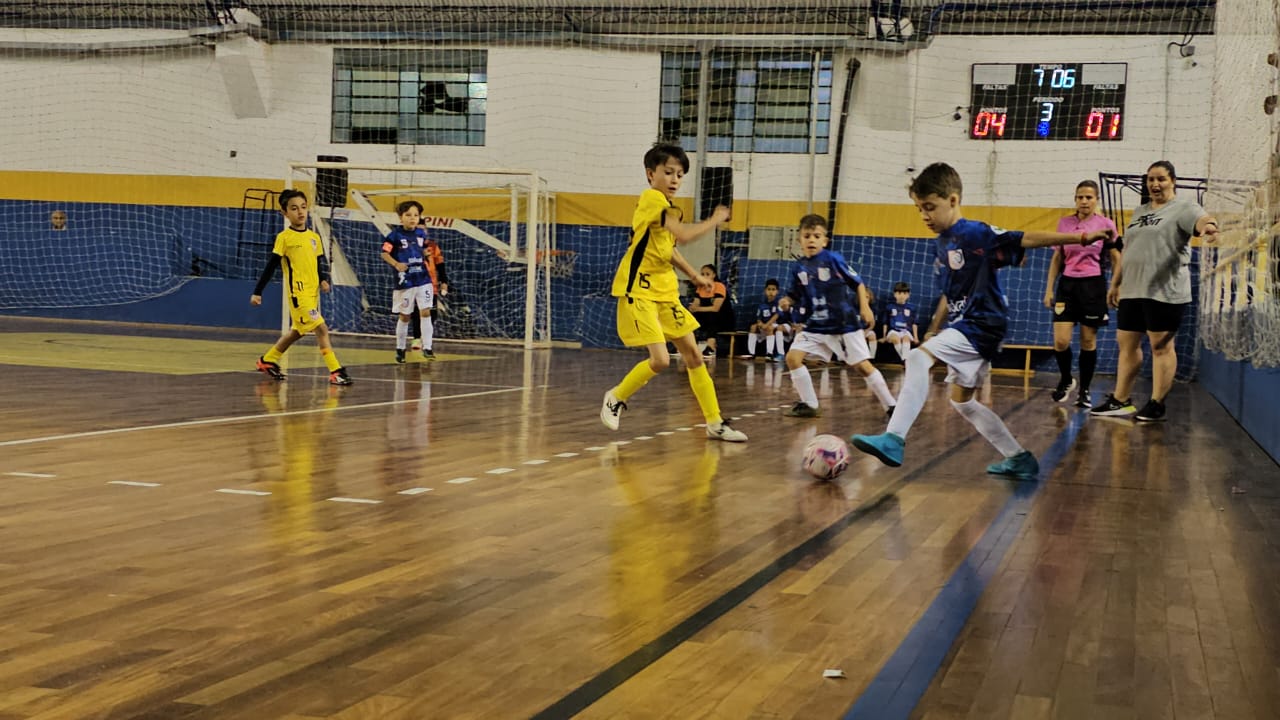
(733, 336)
(1026, 365)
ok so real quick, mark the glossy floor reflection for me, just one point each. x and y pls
(463, 539)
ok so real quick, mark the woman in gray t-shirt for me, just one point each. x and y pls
(1152, 289)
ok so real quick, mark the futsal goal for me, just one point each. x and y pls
(495, 228)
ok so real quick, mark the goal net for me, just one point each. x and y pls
(495, 230)
(1240, 292)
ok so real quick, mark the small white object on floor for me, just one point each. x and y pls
(833, 673)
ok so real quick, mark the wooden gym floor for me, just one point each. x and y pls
(180, 539)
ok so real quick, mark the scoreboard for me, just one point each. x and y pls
(1048, 101)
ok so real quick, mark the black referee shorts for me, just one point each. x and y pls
(1081, 300)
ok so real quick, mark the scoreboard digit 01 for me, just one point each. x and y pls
(1048, 101)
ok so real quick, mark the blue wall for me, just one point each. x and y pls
(1248, 394)
(115, 256)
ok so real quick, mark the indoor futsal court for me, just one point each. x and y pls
(496, 211)
(464, 539)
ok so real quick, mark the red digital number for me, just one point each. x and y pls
(1093, 126)
(986, 121)
(1097, 122)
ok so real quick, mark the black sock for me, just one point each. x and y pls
(1088, 363)
(1064, 364)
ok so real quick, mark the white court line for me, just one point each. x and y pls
(666, 432)
(500, 471)
(568, 454)
(594, 448)
(683, 429)
(643, 437)
(358, 501)
(240, 418)
(133, 483)
(233, 491)
(536, 462)
(31, 475)
(414, 491)
(460, 481)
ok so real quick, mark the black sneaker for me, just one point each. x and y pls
(428, 355)
(271, 369)
(1083, 400)
(1112, 407)
(400, 356)
(1153, 411)
(801, 410)
(339, 377)
(1063, 390)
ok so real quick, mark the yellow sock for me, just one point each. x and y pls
(705, 390)
(639, 376)
(273, 355)
(330, 360)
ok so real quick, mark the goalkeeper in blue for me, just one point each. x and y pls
(976, 314)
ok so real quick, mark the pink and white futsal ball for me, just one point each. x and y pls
(825, 457)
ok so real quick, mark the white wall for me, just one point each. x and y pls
(584, 117)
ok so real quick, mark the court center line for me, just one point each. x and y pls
(628, 667)
(905, 677)
(241, 418)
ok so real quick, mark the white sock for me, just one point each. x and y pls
(428, 329)
(752, 340)
(872, 344)
(769, 344)
(904, 347)
(780, 341)
(804, 386)
(990, 425)
(875, 381)
(915, 390)
(402, 333)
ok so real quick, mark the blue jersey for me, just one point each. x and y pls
(766, 310)
(900, 317)
(406, 246)
(968, 255)
(825, 289)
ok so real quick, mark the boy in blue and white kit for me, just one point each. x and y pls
(968, 254)
(826, 289)
(404, 250)
(900, 321)
(765, 324)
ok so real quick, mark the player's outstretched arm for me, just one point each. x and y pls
(1043, 238)
(686, 233)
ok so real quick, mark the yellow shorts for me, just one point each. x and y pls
(306, 314)
(646, 322)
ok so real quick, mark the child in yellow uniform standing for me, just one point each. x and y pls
(306, 274)
(649, 310)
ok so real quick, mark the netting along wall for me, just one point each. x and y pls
(1240, 294)
(484, 221)
(802, 106)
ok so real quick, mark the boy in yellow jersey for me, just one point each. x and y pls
(649, 310)
(306, 274)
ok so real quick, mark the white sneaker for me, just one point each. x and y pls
(722, 431)
(611, 410)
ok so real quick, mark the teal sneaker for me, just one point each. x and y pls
(1022, 466)
(887, 447)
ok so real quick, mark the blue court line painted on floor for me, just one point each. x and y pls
(628, 667)
(896, 690)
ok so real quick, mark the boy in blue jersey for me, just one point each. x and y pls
(765, 323)
(306, 275)
(899, 328)
(405, 250)
(968, 254)
(826, 289)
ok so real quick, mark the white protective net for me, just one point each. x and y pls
(1240, 294)
(163, 127)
